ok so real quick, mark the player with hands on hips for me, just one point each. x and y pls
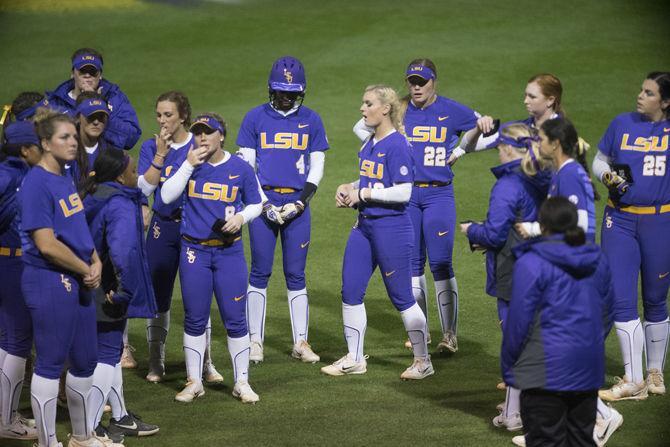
(220, 194)
(382, 236)
(632, 163)
(59, 274)
(285, 142)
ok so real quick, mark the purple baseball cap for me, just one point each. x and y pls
(421, 71)
(92, 105)
(209, 122)
(21, 133)
(83, 60)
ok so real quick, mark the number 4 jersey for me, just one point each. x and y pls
(434, 132)
(282, 143)
(632, 140)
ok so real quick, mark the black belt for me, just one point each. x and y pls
(431, 184)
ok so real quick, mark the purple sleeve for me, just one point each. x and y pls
(37, 207)
(499, 219)
(400, 166)
(606, 144)
(572, 188)
(120, 219)
(318, 138)
(250, 194)
(247, 137)
(147, 152)
(123, 128)
(465, 118)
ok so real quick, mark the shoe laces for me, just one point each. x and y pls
(131, 348)
(656, 378)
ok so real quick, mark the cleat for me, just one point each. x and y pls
(346, 365)
(624, 390)
(91, 441)
(512, 423)
(191, 391)
(408, 343)
(655, 383)
(256, 352)
(519, 441)
(604, 428)
(127, 359)
(303, 352)
(502, 386)
(449, 343)
(131, 425)
(18, 429)
(419, 369)
(26, 421)
(102, 432)
(501, 406)
(242, 390)
(210, 374)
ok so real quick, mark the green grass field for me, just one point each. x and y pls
(219, 54)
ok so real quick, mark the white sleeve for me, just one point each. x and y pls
(583, 220)
(317, 161)
(248, 154)
(601, 164)
(146, 187)
(399, 193)
(250, 212)
(532, 228)
(482, 142)
(175, 185)
(362, 131)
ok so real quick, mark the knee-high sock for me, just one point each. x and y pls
(256, 305)
(116, 400)
(446, 292)
(420, 292)
(298, 307)
(631, 341)
(239, 356)
(512, 402)
(415, 325)
(77, 390)
(157, 331)
(194, 350)
(603, 410)
(355, 322)
(125, 334)
(208, 343)
(43, 397)
(103, 376)
(11, 382)
(656, 344)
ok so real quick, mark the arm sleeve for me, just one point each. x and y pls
(123, 128)
(499, 219)
(250, 212)
(362, 131)
(248, 154)
(399, 193)
(601, 165)
(317, 161)
(146, 187)
(174, 186)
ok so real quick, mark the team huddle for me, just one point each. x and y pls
(90, 238)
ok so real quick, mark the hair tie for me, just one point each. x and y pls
(91, 174)
(533, 159)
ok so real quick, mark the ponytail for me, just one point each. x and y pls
(559, 216)
(108, 166)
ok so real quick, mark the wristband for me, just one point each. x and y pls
(360, 195)
(159, 155)
(160, 168)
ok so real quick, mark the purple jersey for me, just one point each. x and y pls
(173, 160)
(282, 143)
(383, 164)
(434, 132)
(51, 201)
(631, 139)
(217, 192)
(573, 183)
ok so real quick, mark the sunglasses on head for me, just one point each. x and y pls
(89, 70)
(417, 80)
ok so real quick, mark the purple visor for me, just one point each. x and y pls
(90, 106)
(420, 71)
(206, 121)
(21, 133)
(83, 60)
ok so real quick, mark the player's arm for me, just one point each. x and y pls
(174, 186)
(499, 219)
(57, 252)
(362, 131)
(151, 164)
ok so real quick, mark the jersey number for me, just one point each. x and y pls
(654, 165)
(435, 156)
(300, 164)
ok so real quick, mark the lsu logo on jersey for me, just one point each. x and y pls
(645, 144)
(371, 169)
(213, 191)
(428, 134)
(168, 170)
(66, 282)
(190, 255)
(157, 230)
(285, 140)
(72, 206)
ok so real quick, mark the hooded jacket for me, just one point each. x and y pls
(123, 128)
(114, 217)
(559, 316)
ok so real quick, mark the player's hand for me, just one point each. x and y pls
(523, 228)
(615, 182)
(355, 196)
(146, 216)
(234, 224)
(455, 155)
(94, 275)
(485, 124)
(465, 226)
(272, 213)
(196, 156)
(342, 195)
(291, 210)
(109, 297)
(163, 142)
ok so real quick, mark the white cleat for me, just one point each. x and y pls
(26, 421)
(242, 390)
(604, 428)
(127, 359)
(419, 369)
(501, 406)
(156, 372)
(18, 429)
(449, 343)
(303, 352)
(655, 383)
(256, 352)
(511, 423)
(191, 391)
(210, 374)
(107, 442)
(346, 365)
(519, 441)
(91, 441)
(624, 390)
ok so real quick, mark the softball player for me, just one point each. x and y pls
(58, 274)
(92, 115)
(20, 150)
(382, 236)
(221, 194)
(157, 161)
(285, 142)
(113, 204)
(631, 162)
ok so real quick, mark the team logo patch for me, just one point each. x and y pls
(190, 255)
(404, 170)
(573, 199)
(157, 230)
(608, 221)
(288, 75)
(66, 282)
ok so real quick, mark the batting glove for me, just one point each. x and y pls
(273, 213)
(615, 182)
(292, 210)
